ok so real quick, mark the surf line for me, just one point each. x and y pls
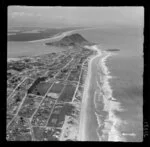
(108, 126)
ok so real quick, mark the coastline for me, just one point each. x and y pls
(109, 125)
(42, 41)
(59, 36)
(82, 124)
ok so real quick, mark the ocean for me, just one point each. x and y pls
(121, 118)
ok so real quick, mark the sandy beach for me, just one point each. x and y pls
(83, 113)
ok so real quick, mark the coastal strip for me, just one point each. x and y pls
(109, 127)
(83, 114)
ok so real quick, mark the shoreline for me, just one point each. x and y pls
(84, 102)
(110, 104)
(60, 35)
(57, 36)
(109, 126)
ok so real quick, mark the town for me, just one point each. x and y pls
(44, 95)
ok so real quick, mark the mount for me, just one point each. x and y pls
(71, 40)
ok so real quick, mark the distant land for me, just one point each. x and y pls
(113, 50)
(31, 34)
(23, 29)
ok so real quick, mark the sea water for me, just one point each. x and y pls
(115, 105)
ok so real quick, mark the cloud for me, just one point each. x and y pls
(20, 14)
(38, 15)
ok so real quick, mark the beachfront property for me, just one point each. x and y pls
(44, 94)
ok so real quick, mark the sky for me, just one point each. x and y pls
(74, 16)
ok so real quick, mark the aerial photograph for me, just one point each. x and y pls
(74, 73)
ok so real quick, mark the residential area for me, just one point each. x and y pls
(44, 93)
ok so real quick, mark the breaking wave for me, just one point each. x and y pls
(106, 105)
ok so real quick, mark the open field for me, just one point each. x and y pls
(67, 93)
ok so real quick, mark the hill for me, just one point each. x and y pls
(71, 40)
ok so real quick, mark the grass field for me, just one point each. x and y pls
(67, 93)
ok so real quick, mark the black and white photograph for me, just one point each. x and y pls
(75, 73)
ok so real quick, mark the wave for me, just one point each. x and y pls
(106, 105)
